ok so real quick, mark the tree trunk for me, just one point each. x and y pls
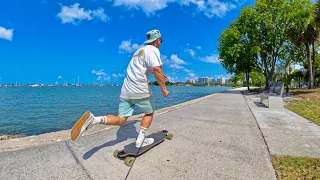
(267, 82)
(310, 84)
(313, 64)
(265, 66)
(261, 77)
(269, 77)
(247, 78)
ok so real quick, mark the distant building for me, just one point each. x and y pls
(204, 80)
(191, 81)
(228, 81)
(221, 80)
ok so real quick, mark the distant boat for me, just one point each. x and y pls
(35, 85)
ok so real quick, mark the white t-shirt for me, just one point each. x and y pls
(135, 85)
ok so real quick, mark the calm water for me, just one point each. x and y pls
(38, 110)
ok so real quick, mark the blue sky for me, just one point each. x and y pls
(49, 40)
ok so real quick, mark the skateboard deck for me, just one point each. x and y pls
(130, 151)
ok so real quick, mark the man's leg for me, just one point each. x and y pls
(116, 120)
(88, 119)
(147, 106)
(147, 120)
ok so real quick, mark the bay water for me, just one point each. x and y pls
(37, 110)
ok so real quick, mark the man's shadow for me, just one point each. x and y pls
(124, 132)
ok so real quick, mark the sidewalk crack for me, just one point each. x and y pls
(76, 158)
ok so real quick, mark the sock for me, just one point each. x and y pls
(142, 133)
(100, 120)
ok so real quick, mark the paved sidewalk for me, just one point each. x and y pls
(286, 133)
(215, 138)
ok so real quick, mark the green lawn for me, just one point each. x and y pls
(291, 167)
(306, 104)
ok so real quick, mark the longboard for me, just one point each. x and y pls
(130, 151)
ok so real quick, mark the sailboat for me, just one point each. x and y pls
(78, 82)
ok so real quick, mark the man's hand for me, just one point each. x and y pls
(165, 93)
(165, 77)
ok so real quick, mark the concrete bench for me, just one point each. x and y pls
(273, 95)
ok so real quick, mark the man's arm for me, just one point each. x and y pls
(160, 77)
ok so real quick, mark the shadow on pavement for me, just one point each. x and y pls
(258, 104)
(124, 132)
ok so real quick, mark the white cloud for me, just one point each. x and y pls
(73, 14)
(102, 39)
(190, 73)
(165, 59)
(191, 52)
(127, 46)
(175, 66)
(210, 8)
(172, 79)
(60, 77)
(176, 63)
(210, 59)
(6, 33)
(99, 73)
(198, 47)
(117, 75)
(148, 6)
(103, 78)
(99, 14)
(176, 60)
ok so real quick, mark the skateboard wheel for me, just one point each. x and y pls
(129, 161)
(164, 131)
(169, 136)
(115, 153)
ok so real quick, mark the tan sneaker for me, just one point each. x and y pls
(81, 125)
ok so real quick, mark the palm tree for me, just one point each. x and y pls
(303, 34)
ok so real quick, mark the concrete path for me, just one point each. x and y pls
(215, 138)
(285, 132)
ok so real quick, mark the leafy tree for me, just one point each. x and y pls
(301, 31)
(256, 39)
(271, 22)
(297, 75)
(256, 78)
(237, 52)
(236, 78)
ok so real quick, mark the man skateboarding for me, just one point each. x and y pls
(135, 92)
